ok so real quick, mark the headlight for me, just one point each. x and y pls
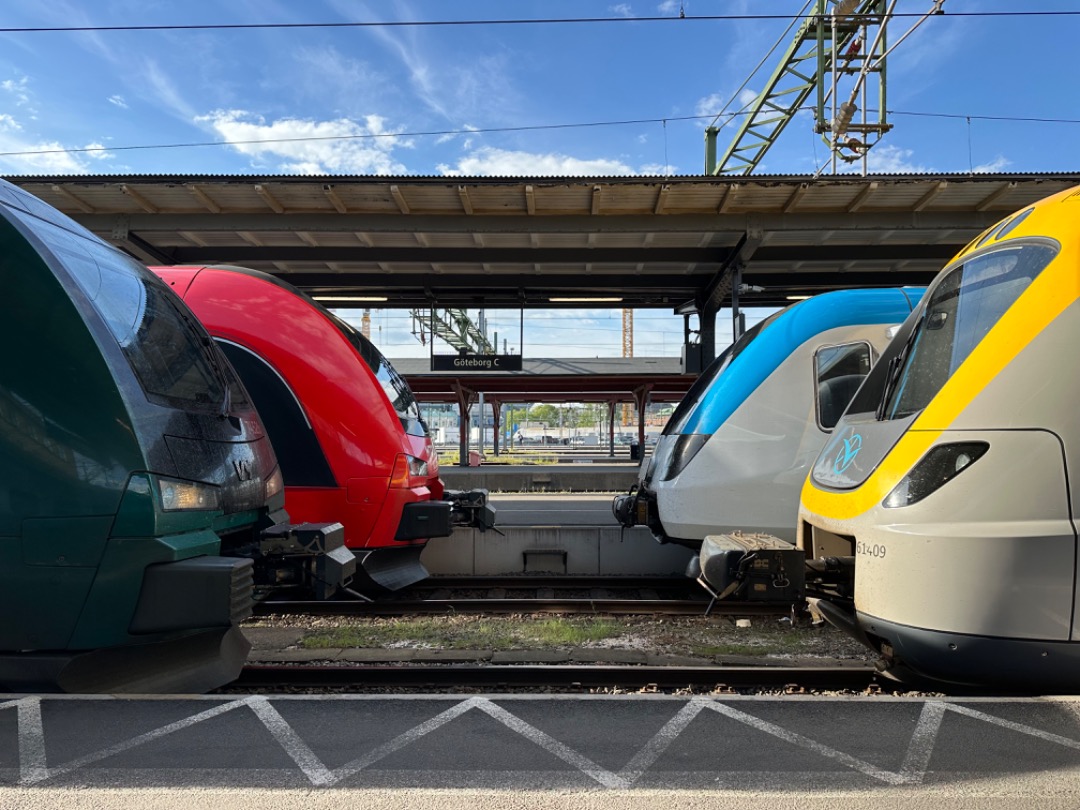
(407, 467)
(686, 446)
(942, 464)
(182, 496)
(274, 484)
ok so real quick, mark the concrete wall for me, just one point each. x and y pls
(594, 550)
(542, 477)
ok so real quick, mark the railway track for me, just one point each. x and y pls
(592, 677)
(621, 607)
(669, 596)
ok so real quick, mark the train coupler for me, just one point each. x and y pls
(625, 509)
(471, 508)
(309, 555)
(751, 568)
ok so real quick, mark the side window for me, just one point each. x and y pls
(303, 463)
(838, 372)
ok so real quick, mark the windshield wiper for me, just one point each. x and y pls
(896, 366)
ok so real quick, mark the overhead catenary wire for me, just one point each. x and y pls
(488, 22)
(494, 130)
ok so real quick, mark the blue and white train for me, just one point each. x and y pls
(737, 450)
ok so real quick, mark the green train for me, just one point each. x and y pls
(141, 506)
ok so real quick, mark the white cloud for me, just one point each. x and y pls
(99, 153)
(889, 159)
(1000, 163)
(118, 100)
(454, 85)
(670, 6)
(621, 10)
(339, 81)
(43, 157)
(311, 147)
(659, 169)
(449, 136)
(162, 88)
(19, 88)
(712, 105)
(490, 162)
(22, 155)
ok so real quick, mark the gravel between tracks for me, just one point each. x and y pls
(708, 639)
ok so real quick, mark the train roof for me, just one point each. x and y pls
(737, 373)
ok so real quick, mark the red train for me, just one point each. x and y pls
(345, 426)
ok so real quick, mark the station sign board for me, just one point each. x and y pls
(476, 362)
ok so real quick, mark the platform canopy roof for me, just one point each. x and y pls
(535, 242)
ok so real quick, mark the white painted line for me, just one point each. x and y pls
(313, 768)
(805, 742)
(1033, 732)
(922, 743)
(10, 704)
(150, 736)
(403, 740)
(551, 745)
(33, 766)
(660, 742)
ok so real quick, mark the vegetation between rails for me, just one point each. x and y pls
(466, 633)
(706, 638)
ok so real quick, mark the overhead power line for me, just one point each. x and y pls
(360, 136)
(476, 131)
(453, 23)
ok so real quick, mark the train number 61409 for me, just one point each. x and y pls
(870, 549)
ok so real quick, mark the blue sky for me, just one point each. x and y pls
(108, 90)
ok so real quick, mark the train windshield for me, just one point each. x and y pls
(961, 310)
(174, 364)
(393, 384)
(716, 368)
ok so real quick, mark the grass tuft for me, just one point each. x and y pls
(466, 633)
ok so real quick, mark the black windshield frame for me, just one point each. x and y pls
(927, 361)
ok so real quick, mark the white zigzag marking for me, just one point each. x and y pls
(47, 773)
(805, 742)
(660, 742)
(288, 739)
(1032, 732)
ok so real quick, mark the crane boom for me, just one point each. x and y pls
(456, 328)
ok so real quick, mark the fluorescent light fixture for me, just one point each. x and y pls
(335, 298)
(798, 297)
(584, 300)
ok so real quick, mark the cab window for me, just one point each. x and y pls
(961, 310)
(838, 372)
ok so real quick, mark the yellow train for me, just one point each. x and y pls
(939, 520)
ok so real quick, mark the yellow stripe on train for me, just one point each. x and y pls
(1056, 288)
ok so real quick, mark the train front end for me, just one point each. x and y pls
(939, 520)
(736, 451)
(137, 485)
(345, 425)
